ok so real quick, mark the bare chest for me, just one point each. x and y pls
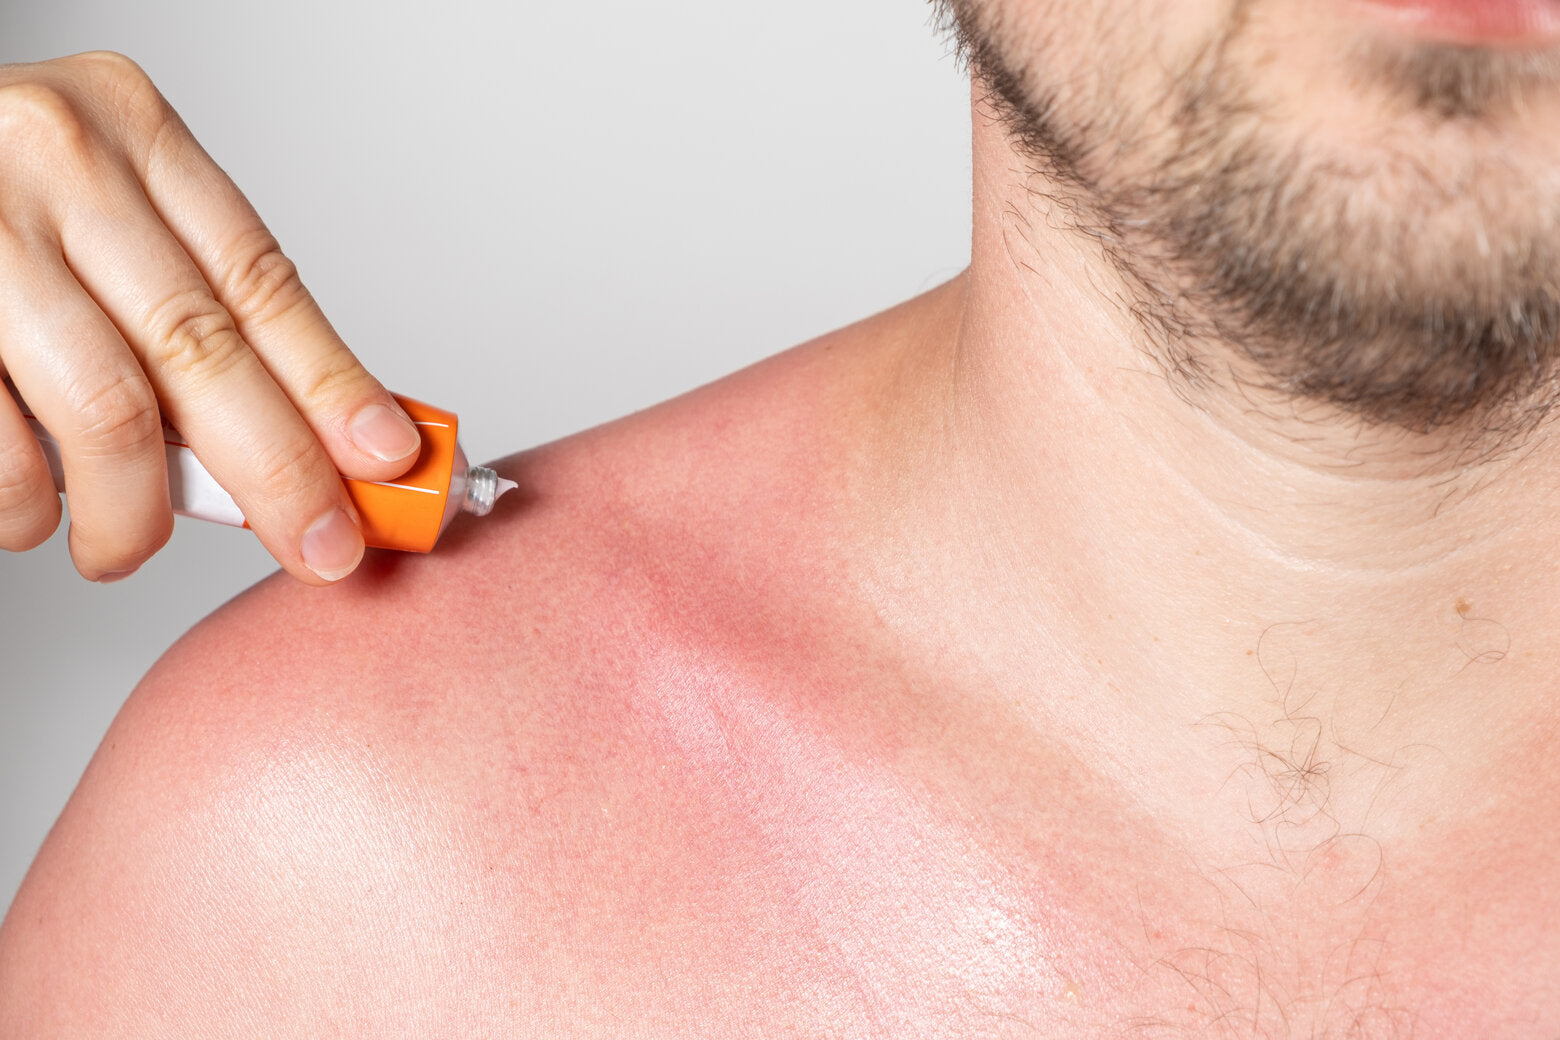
(889, 930)
(753, 872)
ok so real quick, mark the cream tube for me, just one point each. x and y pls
(408, 513)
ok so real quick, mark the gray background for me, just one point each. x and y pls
(537, 215)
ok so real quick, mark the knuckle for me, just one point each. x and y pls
(191, 334)
(122, 84)
(279, 472)
(263, 283)
(111, 66)
(43, 120)
(338, 379)
(123, 94)
(118, 419)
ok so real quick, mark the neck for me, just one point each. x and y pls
(1204, 582)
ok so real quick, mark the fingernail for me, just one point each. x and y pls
(332, 546)
(384, 434)
(112, 576)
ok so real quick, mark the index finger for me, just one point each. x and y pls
(363, 430)
(211, 385)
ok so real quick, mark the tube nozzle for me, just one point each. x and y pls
(484, 487)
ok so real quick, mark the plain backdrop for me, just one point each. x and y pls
(538, 215)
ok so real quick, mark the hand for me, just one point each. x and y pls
(136, 283)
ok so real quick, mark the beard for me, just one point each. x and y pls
(1407, 277)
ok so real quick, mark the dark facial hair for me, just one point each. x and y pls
(1232, 242)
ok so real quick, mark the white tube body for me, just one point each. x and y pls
(191, 490)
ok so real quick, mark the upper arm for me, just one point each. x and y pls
(272, 840)
(377, 809)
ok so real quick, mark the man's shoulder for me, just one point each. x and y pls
(332, 803)
(666, 529)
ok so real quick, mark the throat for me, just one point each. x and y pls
(1299, 610)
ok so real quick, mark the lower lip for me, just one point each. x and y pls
(1512, 23)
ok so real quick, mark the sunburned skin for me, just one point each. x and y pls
(1151, 633)
(645, 754)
